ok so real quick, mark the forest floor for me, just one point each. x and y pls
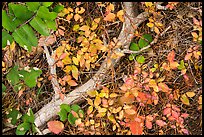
(179, 84)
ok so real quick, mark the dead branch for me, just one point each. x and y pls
(51, 109)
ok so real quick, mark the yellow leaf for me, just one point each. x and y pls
(116, 110)
(67, 60)
(97, 101)
(12, 46)
(67, 69)
(75, 60)
(194, 34)
(89, 110)
(81, 11)
(110, 17)
(102, 94)
(185, 99)
(120, 15)
(151, 20)
(150, 25)
(190, 94)
(112, 119)
(102, 110)
(94, 25)
(92, 93)
(200, 100)
(159, 24)
(148, 4)
(114, 127)
(156, 30)
(75, 72)
(113, 95)
(92, 121)
(69, 16)
(90, 102)
(87, 64)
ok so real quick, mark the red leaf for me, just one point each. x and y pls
(175, 114)
(129, 82)
(55, 126)
(171, 56)
(167, 111)
(148, 124)
(160, 123)
(184, 115)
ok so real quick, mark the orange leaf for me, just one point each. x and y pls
(84, 28)
(188, 56)
(97, 101)
(130, 111)
(156, 30)
(61, 96)
(120, 15)
(110, 8)
(148, 124)
(72, 83)
(175, 114)
(174, 65)
(171, 56)
(110, 17)
(136, 128)
(89, 110)
(55, 126)
(77, 17)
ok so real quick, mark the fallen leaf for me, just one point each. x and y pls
(97, 101)
(175, 114)
(171, 56)
(89, 110)
(167, 111)
(77, 17)
(190, 94)
(110, 17)
(150, 24)
(72, 83)
(160, 123)
(185, 99)
(55, 126)
(184, 115)
(163, 87)
(136, 128)
(130, 111)
(188, 56)
(148, 124)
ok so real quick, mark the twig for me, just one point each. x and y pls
(192, 72)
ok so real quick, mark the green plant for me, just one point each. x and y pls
(27, 75)
(144, 41)
(28, 121)
(21, 19)
(72, 113)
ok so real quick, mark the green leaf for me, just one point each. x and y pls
(76, 27)
(22, 128)
(33, 6)
(75, 107)
(39, 25)
(140, 59)
(7, 22)
(6, 37)
(30, 78)
(14, 115)
(17, 87)
(21, 11)
(3, 87)
(134, 46)
(71, 119)
(44, 13)
(33, 128)
(63, 114)
(51, 24)
(58, 8)
(13, 76)
(29, 116)
(181, 65)
(25, 37)
(47, 4)
(132, 56)
(145, 40)
(65, 107)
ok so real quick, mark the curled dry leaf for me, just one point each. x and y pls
(55, 126)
